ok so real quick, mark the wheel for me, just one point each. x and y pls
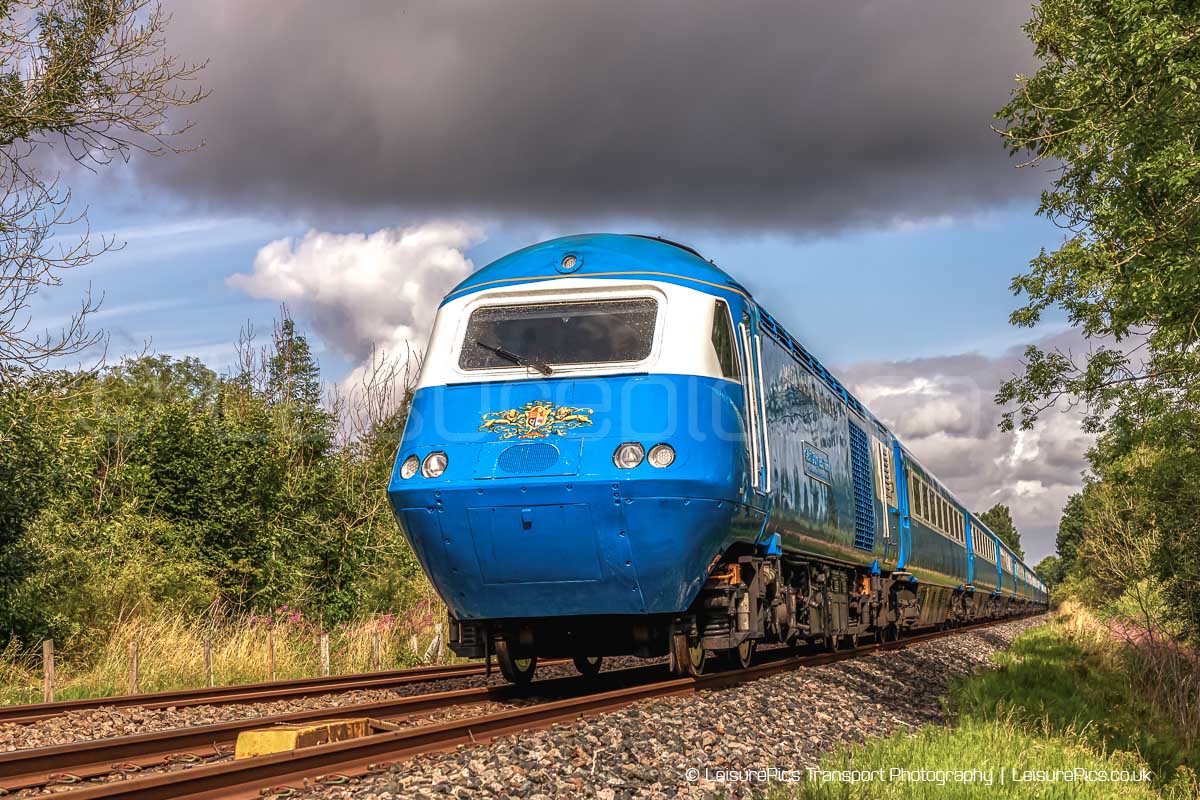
(588, 665)
(516, 666)
(740, 657)
(689, 658)
(833, 642)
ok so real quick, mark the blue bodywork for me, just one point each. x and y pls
(579, 536)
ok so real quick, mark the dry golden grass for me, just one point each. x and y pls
(1156, 665)
(171, 652)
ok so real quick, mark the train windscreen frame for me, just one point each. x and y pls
(569, 332)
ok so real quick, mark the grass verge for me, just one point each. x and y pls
(1058, 718)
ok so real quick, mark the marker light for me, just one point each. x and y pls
(410, 467)
(435, 464)
(661, 455)
(628, 455)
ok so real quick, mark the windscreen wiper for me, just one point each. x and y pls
(516, 359)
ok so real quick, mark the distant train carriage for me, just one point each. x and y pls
(614, 449)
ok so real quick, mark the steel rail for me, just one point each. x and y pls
(245, 693)
(85, 760)
(277, 774)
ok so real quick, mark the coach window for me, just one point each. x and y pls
(722, 341)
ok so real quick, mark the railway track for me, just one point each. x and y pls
(247, 693)
(548, 702)
(77, 762)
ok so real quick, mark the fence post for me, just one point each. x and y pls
(433, 653)
(325, 653)
(48, 670)
(134, 667)
(208, 660)
(377, 643)
(271, 653)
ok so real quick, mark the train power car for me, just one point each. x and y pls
(614, 449)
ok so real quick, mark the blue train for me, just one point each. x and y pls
(613, 448)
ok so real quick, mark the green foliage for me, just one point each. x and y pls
(1130, 541)
(87, 575)
(70, 36)
(999, 520)
(1050, 570)
(1070, 532)
(1114, 107)
(158, 484)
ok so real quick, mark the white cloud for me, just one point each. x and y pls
(363, 292)
(942, 409)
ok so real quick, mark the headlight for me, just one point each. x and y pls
(661, 455)
(435, 464)
(409, 467)
(628, 455)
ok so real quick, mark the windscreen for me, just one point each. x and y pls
(588, 332)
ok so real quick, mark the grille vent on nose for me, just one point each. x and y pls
(522, 459)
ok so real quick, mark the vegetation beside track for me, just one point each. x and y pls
(159, 502)
(171, 652)
(1065, 696)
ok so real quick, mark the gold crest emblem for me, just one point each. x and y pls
(536, 420)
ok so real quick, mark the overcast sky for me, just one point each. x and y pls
(838, 158)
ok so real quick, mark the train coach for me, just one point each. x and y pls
(614, 449)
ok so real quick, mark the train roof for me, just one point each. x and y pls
(601, 255)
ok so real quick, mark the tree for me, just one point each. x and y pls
(999, 521)
(1070, 531)
(294, 391)
(93, 77)
(1049, 569)
(1115, 108)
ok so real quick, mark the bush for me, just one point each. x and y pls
(91, 574)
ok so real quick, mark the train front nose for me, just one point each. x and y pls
(555, 529)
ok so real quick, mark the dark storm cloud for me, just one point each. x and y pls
(792, 115)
